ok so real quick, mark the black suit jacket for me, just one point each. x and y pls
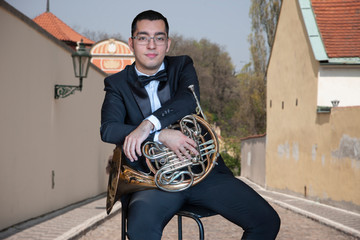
(127, 104)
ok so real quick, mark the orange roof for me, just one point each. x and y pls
(59, 29)
(339, 25)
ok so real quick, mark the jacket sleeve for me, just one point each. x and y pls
(113, 114)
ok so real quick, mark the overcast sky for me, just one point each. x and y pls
(224, 22)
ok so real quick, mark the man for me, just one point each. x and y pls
(135, 111)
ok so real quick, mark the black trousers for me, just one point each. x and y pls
(149, 211)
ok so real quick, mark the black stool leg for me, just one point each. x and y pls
(123, 223)
(124, 210)
(201, 227)
(197, 220)
(179, 227)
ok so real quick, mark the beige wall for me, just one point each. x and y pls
(301, 143)
(39, 134)
(253, 159)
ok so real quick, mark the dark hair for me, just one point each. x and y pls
(149, 15)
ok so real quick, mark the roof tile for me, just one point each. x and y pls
(339, 25)
(59, 29)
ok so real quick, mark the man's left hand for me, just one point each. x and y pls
(180, 144)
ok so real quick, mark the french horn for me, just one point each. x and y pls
(167, 171)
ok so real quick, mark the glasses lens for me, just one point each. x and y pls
(144, 40)
(160, 40)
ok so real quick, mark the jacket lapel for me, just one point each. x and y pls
(164, 92)
(139, 93)
(164, 87)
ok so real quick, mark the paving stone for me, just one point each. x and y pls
(301, 220)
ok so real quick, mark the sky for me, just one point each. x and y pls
(224, 22)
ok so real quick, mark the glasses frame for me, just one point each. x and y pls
(149, 39)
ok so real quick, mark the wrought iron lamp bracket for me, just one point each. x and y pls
(63, 91)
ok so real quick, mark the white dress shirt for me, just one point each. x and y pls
(151, 90)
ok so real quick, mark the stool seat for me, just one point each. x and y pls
(194, 212)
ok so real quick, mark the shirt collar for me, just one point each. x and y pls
(162, 67)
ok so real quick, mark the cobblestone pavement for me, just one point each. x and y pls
(302, 219)
(293, 227)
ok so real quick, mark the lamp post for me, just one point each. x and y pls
(81, 62)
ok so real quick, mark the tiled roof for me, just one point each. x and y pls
(339, 25)
(59, 29)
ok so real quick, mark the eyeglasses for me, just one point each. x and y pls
(144, 40)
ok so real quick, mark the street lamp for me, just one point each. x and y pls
(81, 62)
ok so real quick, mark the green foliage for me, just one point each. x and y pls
(235, 102)
(215, 71)
(232, 163)
(264, 16)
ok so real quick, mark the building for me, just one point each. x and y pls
(61, 30)
(313, 102)
(51, 154)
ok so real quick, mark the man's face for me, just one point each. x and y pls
(148, 57)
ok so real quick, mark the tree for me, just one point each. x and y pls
(97, 36)
(264, 16)
(252, 113)
(215, 73)
(219, 90)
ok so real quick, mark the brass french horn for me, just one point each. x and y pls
(168, 172)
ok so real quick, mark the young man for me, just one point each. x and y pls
(136, 110)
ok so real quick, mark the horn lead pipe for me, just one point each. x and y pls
(191, 87)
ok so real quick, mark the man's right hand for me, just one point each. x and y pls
(132, 144)
(176, 141)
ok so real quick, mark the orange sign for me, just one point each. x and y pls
(111, 55)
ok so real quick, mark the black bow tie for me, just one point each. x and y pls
(160, 76)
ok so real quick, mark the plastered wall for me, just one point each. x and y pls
(51, 154)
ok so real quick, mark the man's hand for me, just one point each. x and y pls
(176, 141)
(134, 140)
